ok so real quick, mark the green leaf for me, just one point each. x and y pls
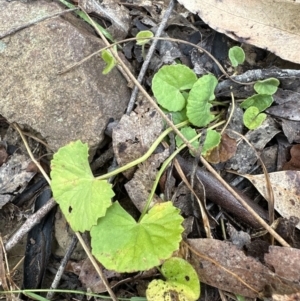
(181, 280)
(252, 118)
(81, 197)
(109, 60)
(236, 55)
(179, 116)
(198, 106)
(169, 83)
(212, 139)
(121, 244)
(260, 101)
(189, 133)
(143, 37)
(268, 86)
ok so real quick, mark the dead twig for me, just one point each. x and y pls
(151, 50)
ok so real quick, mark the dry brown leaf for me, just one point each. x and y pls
(90, 278)
(268, 24)
(294, 163)
(286, 191)
(285, 262)
(222, 265)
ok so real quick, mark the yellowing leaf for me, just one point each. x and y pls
(81, 197)
(123, 245)
(181, 282)
(286, 191)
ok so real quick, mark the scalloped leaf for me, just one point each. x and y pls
(181, 281)
(198, 106)
(123, 245)
(76, 190)
(169, 83)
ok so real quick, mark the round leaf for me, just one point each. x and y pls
(81, 197)
(236, 55)
(261, 101)
(168, 84)
(181, 281)
(142, 37)
(198, 106)
(123, 245)
(268, 86)
(252, 118)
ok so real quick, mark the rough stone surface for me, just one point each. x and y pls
(61, 108)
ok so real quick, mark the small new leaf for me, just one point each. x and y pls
(143, 37)
(236, 55)
(110, 61)
(268, 86)
(123, 245)
(253, 118)
(81, 197)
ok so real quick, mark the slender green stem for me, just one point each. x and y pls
(145, 156)
(165, 165)
(32, 291)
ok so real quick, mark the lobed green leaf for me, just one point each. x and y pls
(81, 197)
(123, 245)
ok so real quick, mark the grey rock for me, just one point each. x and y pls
(61, 108)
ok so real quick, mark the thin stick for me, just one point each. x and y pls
(61, 268)
(149, 56)
(99, 271)
(31, 221)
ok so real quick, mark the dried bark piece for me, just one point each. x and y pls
(135, 134)
(140, 185)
